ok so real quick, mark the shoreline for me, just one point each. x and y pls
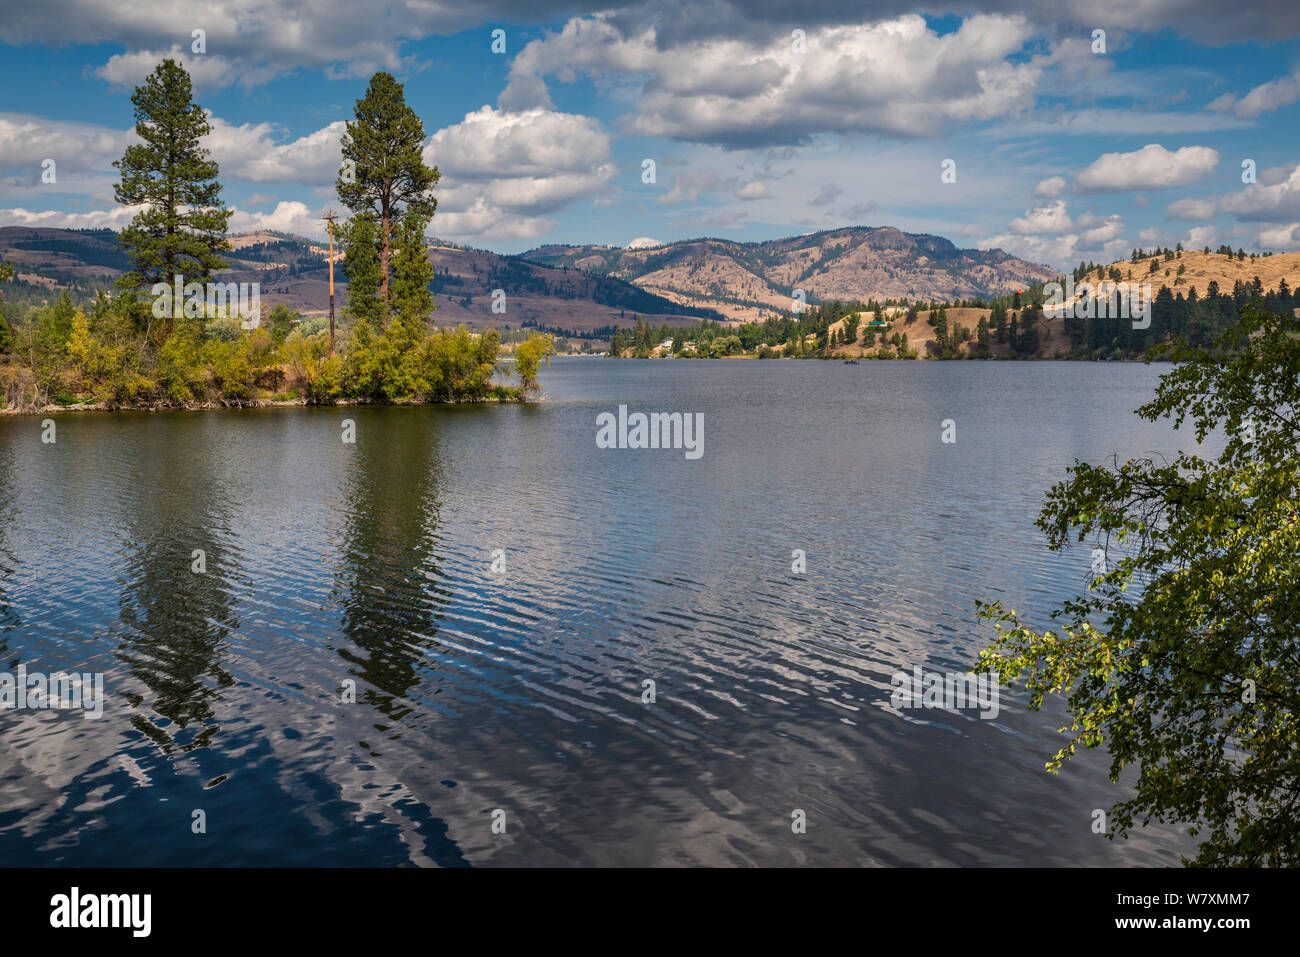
(251, 404)
(300, 402)
(861, 359)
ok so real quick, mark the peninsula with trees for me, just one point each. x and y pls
(168, 335)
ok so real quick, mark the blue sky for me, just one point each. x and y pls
(760, 121)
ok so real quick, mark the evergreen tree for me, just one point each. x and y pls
(412, 272)
(55, 324)
(182, 228)
(384, 178)
(6, 334)
(361, 266)
(1027, 343)
(998, 322)
(1163, 310)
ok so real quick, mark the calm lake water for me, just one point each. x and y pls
(522, 691)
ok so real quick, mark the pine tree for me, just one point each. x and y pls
(1027, 342)
(998, 322)
(412, 272)
(6, 334)
(384, 178)
(357, 239)
(182, 228)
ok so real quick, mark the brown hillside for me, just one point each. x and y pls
(920, 334)
(1200, 269)
(752, 281)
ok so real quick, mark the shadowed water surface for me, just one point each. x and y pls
(329, 563)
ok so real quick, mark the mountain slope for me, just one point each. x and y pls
(752, 280)
(293, 270)
(1201, 268)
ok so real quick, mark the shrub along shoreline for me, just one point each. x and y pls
(255, 403)
(114, 355)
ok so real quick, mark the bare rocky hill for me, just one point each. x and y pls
(750, 281)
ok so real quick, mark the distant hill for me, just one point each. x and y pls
(63, 255)
(751, 281)
(1200, 269)
(293, 270)
(588, 287)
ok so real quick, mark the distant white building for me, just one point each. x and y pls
(666, 345)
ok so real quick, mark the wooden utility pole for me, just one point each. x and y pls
(329, 218)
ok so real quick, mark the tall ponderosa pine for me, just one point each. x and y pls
(182, 228)
(385, 181)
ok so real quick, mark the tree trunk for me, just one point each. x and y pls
(383, 270)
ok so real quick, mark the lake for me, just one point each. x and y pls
(431, 646)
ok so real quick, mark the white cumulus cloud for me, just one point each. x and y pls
(1264, 98)
(1052, 219)
(503, 171)
(1151, 167)
(896, 77)
(1050, 188)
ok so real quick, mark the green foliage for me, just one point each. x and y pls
(385, 182)
(1027, 339)
(1181, 658)
(231, 365)
(998, 322)
(529, 355)
(401, 364)
(412, 272)
(362, 371)
(182, 227)
(312, 325)
(179, 372)
(226, 329)
(460, 364)
(6, 334)
(319, 374)
(116, 352)
(281, 322)
(56, 321)
(357, 239)
(723, 346)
